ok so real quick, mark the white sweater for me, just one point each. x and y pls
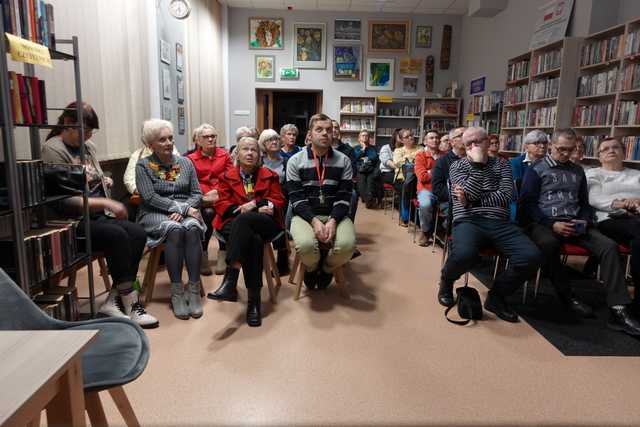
(607, 186)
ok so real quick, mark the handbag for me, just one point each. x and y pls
(64, 179)
(469, 305)
(366, 166)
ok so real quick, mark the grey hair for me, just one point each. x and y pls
(243, 131)
(453, 133)
(237, 150)
(267, 135)
(289, 127)
(535, 136)
(151, 130)
(197, 132)
(474, 130)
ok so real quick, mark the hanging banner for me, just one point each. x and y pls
(477, 85)
(25, 51)
(551, 25)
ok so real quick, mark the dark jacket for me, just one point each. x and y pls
(440, 176)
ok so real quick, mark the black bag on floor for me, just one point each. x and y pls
(469, 305)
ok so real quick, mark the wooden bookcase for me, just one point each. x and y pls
(442, 114)
(486, 111)
(356, 113)
(393, 113)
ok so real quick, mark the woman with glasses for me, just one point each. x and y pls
(494, 147)
(121, 241)
(210, 162)
(535, 148)
(169, 213)
(404, 159)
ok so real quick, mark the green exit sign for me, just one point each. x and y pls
(289, 74)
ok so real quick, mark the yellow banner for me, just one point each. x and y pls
(385, 99)
(25, 51)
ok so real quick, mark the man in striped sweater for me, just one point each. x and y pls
(319, 181)
(481, 192)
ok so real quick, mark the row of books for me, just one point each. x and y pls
(513, 119)
(631, 147)
(518, 70)
(441, 125)
(29, 99)
(441, 107)
(628, 113)
(515, 94)
(406, 110)
(486, 103)
(630, 77)
(511, 142)
(30, 181)
(545, 116)
(356, 124)
(59, 302)
(598, 84)
(599, 51)
(591, 145)
(6, 224)
(632, 43)
(593, 115)
(389, 131)
(491, 126)
(358, 106)
(543, 89)
(546, 61)
(30, 19)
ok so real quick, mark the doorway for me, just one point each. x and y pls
(277, 108)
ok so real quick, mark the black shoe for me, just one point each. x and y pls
(283, 262)
(445, 294)
(311, 279)
(324, 279)
(254, 315)
(621, 319)
(356, 253)
(498, 306)
(227, 291)
(579, 308)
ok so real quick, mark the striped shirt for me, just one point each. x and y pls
(303, 185)
(488, 188)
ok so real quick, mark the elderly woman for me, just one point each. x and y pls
(210, 163)
(272, 156)
(121, 241)
(249, 213)
(289, 135)
(367, 162)
(404, 159)
(169, 213)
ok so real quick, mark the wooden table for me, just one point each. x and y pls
(42, 370)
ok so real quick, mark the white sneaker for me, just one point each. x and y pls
(136, 312)
(112, 307)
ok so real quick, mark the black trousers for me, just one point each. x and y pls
(246, 236)
(122, 243)
(207, 215)
(626, 231)
(603, 248)
(367, 186)
(381, 179)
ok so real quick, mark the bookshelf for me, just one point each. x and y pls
(539, 92)
(392, 113)
(442, 114)
(24, 209)
(486, 111)
(356, 113)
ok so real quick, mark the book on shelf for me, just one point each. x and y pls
(511, 143)
(593, 115)
(628, 113)
(356, 124)
(630, 77)
(598, 84)
(518, 70)
(28, 97)
(389, 131)
(632, 42)
(441, 107)
(361, 106)
(30, 19)
(546, 61)
(631, 146)
(598, 51)
(405, 110)
(544, 88)
(491, 126)
(544, 116)
(513, 119)
(486, 103)
(441, 125)
(591, 143)
(61, 301)
(516, 94)
(30, 183)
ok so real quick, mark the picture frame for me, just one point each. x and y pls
(167, 111)
(410, 86)
(179, 57)
(410, 66)
(180, 87)
(181, 121)
(389, 36)
(166, 84)
(265, 68)
(165, 52)
(310, 45)
(347, 30)
(423, 36)
(347, 62)
(380, 74)
(266, 33)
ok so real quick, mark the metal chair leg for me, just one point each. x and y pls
(524, 292)
(537, 285)
(435, 233)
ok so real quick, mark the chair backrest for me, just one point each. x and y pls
(18, 312)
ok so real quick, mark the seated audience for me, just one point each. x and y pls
(578, 156)
(614, 193)
(445, 144)
(169, 213)
(289, 135)
(121, 241)
(347, 150)
(249, 213)
(425, 162)
(387, 167)
(366, 163)
(535, 148)
(494, 147)
(210, 162)
(554, 205)
(241, 132)
(440, 175)
(481, 191)
(319, 181)
(404, 159)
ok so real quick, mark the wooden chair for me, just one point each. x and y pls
(297, 276)
(95, 410)
(104, 272)
(388, 198)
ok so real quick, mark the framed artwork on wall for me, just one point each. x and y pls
(165, 52)
(389, 36)
(179, 57)
(266, 33)
(347, 30)
(310, 45)
(380, 74)
(411, 66)
(167, 111)
(410, 86)
(423, 36)
(180, 86)
(347, 62)
(181, 121)
(265, 68)
(166, 84)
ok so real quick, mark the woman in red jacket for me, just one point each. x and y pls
(425, 162)
(249, 212)
(210, 162)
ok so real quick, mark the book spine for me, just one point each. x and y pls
(17, 20)
(43, 102)
(43, 23)
(51, 27)
(24, 100)
(33, 29)
(35, 99)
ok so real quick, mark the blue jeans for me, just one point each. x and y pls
(353, 208)
(472, 234)
(427, 202)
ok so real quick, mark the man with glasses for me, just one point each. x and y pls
(440, 175)
(554, 206)
(482, 189)
(535, 148)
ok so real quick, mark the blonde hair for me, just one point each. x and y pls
(245, 139)
(197, 132)
(267, 135)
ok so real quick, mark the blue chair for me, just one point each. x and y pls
(118, 355)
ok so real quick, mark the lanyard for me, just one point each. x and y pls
(316, 159)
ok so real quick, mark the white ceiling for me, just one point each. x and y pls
(455, 7)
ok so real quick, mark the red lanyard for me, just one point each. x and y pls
(324, 167)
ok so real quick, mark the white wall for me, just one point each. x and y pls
(628, 10)
(242, 83)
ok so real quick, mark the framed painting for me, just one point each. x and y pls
(265, 68)
(180, 86)
(165, 52)
(166, 84)
(423, 36)
(411, 66)
(389, 36)
(347, 30)
(347, 62)
(410, 86)
(310, 40)
(266, 33)
(179, 57)
(380, 74)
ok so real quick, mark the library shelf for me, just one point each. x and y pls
(596, 97)
(600, 65)
(547, 73)
(544, 100)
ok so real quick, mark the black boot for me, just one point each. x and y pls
(445, 293)
(621, 319)
(283, 262)
(254, 315)
(227, 291)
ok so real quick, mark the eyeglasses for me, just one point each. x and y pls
(407, 136)
(165, 139)
(610, 148)
(209, 136)
(545, 143)
(565, 150)
(475, 141)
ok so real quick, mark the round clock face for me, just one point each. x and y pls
(180, 9)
